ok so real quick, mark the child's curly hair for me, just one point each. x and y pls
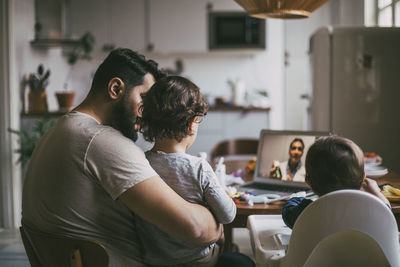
(169, 107)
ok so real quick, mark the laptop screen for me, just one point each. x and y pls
(281, 156)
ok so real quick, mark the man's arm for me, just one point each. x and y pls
(154, 201)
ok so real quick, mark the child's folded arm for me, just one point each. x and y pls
(292, 209)
(221, 205)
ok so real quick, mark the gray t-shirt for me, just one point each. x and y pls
(74, 179)
(195, 181)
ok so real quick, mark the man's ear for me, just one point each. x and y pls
(116, 88)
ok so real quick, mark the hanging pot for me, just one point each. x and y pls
(283, 9)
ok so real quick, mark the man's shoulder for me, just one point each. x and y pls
(87, 128)
(77, 123)
(113, 139)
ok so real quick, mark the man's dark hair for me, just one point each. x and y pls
(296, 140)
(169, 107)
(334, 163)
(127, 65)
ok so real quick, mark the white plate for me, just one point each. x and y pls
(375, 171)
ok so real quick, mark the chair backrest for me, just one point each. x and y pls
(48, 250)
(347, 248)
(345, 212)
(240, 146)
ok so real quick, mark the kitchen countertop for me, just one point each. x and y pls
(237, 108)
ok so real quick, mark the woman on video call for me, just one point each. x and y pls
(292, 169)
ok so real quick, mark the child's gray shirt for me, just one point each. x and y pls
(195, 181)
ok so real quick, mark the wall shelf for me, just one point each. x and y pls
(48, 113)
(45, 43)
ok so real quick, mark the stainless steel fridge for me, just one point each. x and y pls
(355, 77)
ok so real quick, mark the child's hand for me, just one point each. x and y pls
(372, 187)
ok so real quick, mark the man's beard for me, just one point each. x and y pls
(124, 118)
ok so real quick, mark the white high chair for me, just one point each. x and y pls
(342, 228)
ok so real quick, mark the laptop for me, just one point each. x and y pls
(273, 178)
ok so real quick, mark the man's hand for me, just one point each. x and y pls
(154, 201)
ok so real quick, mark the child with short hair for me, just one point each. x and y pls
(171, 112)
(332, 163)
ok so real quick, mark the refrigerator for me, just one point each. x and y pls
(355, 84)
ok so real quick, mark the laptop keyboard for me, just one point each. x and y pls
(272, 187)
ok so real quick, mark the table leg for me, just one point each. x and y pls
(228, 238)
(240, 221)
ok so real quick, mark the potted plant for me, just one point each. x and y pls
(37, 97)
(81, 51)
(29, 140)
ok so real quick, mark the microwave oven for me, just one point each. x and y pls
(235, 30)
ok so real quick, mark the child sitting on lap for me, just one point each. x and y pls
(332, 163)
(171, 112)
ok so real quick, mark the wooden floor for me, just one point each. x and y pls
(12, 252)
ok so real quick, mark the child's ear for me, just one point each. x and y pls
(191, 125)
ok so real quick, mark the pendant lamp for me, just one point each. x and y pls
(283, 9)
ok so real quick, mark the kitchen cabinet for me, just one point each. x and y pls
(178, 25)
(173, 26)
(112, 22)
(182, 25)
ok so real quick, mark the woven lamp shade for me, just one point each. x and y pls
(283, 9)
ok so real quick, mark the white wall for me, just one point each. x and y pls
(28, 58)
(263, 70)
(347, 13)
(297, 72)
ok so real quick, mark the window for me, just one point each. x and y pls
(384, 13)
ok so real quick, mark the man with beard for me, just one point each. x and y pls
(293, 169)
(87, 178)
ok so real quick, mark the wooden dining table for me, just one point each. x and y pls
(244, 210)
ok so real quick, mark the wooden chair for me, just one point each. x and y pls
(240, 146)
(234, 147)
(49, 250)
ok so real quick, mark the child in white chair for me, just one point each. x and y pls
(332, 163)
(171, 112)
